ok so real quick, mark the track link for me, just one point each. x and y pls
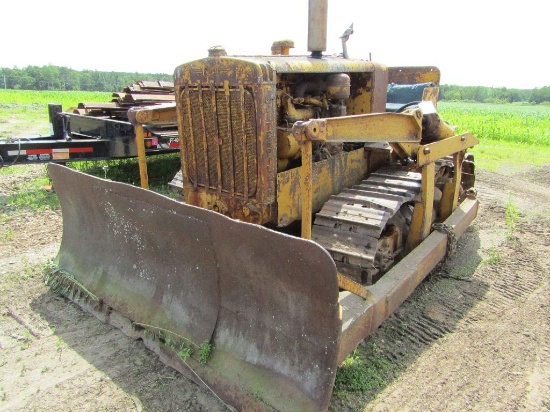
(363, 227)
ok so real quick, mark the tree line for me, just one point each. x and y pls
(483, 94)
(62, 78)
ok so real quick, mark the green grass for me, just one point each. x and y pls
(511, 136)
(30, 196)
(205, 350)
(34, 197)
(27, 196)
(43, 97)
(509, 157)
(511, 217)
(513, 123)
(364, 370)
(11, 278)
(9, 234)
(24, 113)
(23, 121)
(494, 256)
(6, 171)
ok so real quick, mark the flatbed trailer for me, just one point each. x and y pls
(91, 132)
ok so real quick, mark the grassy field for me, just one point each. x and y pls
(24, 113)
(510, 135)
(529, 124)
(42, 97)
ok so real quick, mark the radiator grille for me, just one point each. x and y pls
(220, 131)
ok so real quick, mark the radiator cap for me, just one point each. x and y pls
(216, 51)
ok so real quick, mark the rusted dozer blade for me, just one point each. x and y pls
(266, 301)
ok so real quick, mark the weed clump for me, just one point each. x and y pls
(363, 370)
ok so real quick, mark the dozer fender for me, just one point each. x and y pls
(266, 301)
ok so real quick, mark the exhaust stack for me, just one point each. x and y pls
(317, 27)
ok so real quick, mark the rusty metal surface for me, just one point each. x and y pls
(354, 226)
(306, 64)
(351, 223)
(142, 93)
(128, 251)
(329, 177)
(414, 75)
(226, 108)
(368, 128)
(268, 302)
(438, 150)
(220, 126)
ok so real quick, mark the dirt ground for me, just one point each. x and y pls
(474, 336)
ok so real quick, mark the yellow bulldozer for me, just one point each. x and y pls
(319, 192)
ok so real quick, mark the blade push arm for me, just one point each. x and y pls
(378, 127)
(140, 116)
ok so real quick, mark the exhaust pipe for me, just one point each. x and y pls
(317, 28)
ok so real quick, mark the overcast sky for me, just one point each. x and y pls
(481, 42)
